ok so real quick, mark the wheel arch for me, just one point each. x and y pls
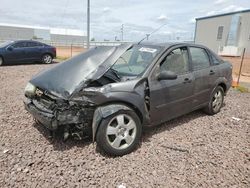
(3, 60)
(45, 53)
(222, 82)
(108, 109)
(224, 86)
(2, 57)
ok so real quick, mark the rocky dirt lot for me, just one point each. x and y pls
(195, 150)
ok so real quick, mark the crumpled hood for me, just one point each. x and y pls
(70, 76)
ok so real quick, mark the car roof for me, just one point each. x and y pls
(172, 44)
(27, 41)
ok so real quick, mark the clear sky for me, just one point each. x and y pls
(138, 16)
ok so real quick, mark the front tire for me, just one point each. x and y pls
(1, 61)
(216, 101)
(119, 133)
(47, 59)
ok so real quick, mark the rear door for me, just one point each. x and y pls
(205, 75)
(171, 98)
(33, 51)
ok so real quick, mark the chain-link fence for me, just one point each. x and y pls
(69, 49)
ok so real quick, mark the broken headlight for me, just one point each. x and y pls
(29, 90)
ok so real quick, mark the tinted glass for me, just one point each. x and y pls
(31, 44)
(39, 44)
(20, 45)
(200, 58)
(176, 61)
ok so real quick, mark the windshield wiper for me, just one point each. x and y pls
(115, 72)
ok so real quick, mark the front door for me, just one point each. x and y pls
(171, 98)
(16, 53)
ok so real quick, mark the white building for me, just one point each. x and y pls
(49, 35)
(226, 34)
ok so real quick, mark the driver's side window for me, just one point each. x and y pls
(176, 61)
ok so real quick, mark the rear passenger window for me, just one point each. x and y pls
(31, 44)
(176, 61)
(200, 58)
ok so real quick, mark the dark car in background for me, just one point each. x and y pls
(26, 51)
(111, 93)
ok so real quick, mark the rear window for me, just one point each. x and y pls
(200, 59)
(216, 59)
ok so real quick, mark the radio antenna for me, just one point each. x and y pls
(148, 35)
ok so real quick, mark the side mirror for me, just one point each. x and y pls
(167, 75)
(10, 48)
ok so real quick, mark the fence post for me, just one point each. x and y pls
(241, 63)
(71, 50)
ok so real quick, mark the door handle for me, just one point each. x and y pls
(211, 72)
(187, 80)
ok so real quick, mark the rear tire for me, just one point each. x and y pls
(119, 133)
(47, 59)
(215, 102)
(1, 61)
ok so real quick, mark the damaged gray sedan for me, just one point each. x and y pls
(111, 93)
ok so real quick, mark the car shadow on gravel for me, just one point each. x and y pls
(148, 132)
(60, 145)
(57, 140)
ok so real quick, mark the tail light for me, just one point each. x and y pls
(54, 49)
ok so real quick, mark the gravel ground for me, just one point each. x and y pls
(195, 150)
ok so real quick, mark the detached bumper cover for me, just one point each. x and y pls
(45, 118)
(53, 119)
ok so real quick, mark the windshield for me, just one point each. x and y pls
(5, 43)
(135, 60)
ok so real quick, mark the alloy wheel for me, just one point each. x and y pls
(47, 59)
(121, 131)
(217, 101)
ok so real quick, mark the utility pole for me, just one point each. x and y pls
(88, 23)
(147, 35)
(122, 32)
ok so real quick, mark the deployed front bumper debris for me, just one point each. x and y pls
(74, 120)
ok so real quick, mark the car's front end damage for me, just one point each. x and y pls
(62, 99)
(81, 115)
(74, 117)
